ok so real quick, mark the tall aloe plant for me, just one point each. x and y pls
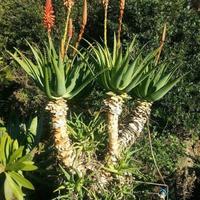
(60, 80)
(121, 73)
(151, 89)
(59, 77)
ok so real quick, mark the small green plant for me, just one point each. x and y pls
(12, 165)
(72, 186)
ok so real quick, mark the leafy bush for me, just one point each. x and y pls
(20, 20)
(12, 164)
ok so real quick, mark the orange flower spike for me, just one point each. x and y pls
(70, 28)
(49, 17)
(122, 5)
(69, 34)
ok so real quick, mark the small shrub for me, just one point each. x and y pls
(12, 165)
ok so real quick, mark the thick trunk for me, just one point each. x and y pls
(135, 124)
(114, 108)
(58, 112)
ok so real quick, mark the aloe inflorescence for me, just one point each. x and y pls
(121, 13)
(49, 17)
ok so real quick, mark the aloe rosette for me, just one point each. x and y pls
(121, 72)
(151, 89)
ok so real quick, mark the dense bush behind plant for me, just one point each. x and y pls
(178, 112)
(20, 20)
(143, 18)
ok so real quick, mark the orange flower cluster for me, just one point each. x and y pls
(122, 5)
(69, 3)
(49, 17)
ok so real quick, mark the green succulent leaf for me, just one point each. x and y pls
(11, 189)
(161, 92)
(156, 84)
(55, 75)
(122, 72)
(21, 180)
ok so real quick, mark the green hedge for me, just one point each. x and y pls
(179, 111)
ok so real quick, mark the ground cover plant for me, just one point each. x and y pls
(98, 117)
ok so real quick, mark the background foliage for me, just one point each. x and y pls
(177, 114)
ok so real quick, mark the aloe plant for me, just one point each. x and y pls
(59, 76)
(12, 164)
(60, 80)
(121, 73)
(151, 89)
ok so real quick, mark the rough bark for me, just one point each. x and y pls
(58, 112)
(114, 108)
(135, 124)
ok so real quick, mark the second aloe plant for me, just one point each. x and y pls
(121, 73)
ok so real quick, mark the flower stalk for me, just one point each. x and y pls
(105, 5)
(64, 47)
(84, 22)
(121, 13)
(161, 43)
(70, 34)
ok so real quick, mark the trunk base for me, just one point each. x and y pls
(58, 112)
(113, 106)
(135, 124)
